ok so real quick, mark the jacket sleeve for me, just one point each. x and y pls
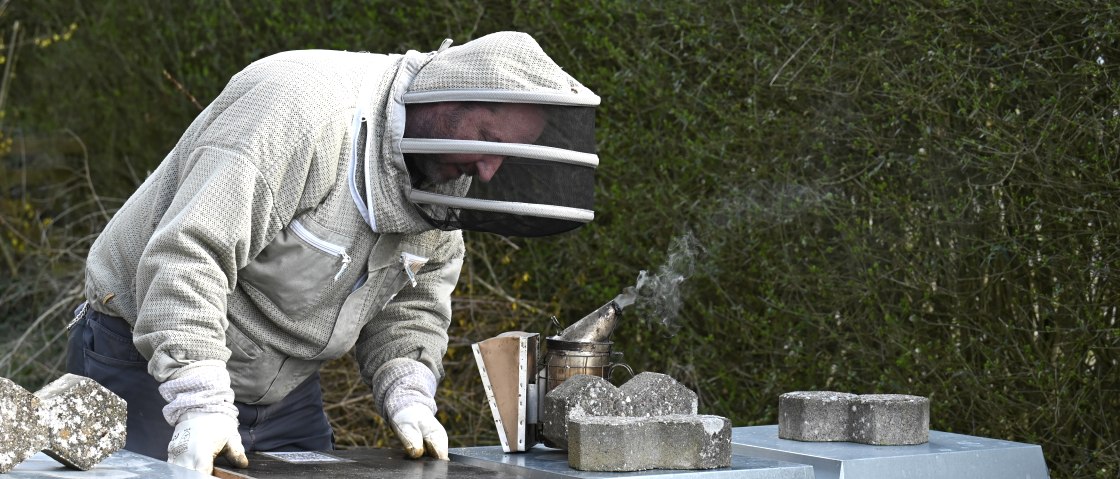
(240, 173)
(220, 215)
(413, 325)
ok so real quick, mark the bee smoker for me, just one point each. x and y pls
(582, 348)
(514, 386)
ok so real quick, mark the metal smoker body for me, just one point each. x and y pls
(582, 348)
(507, 362)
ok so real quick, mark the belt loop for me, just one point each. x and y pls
(79, 313)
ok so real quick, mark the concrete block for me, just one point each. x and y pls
(23, 435)
(656, 394)
(580, 395)
(619, 444)
(85, 421)
(814, 415)
(879, 419)
(890, 419)
(648, 423)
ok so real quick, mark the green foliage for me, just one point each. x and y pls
(890, 197)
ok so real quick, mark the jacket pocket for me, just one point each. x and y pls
(389, 271)
(396, 267)
(297, 268)
(398, 276)
(336, 251)
(246, 366)
(261, 375)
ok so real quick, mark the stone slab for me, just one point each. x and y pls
(119, 465)
(85, 421)
(879, 419)
(23, 434)
(543, 462)
(945, 456)
(682, 441)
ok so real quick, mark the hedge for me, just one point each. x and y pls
(870, 197)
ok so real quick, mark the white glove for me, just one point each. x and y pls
(200, 437)
(420, 432)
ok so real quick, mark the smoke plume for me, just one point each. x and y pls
(656, 297)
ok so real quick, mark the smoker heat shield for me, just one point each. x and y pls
(507, 364)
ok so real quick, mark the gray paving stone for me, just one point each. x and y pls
(620, 444)
(23, 434)
(85, 421)
(879, 419)
(656, 394)
(890, 419)
(580, 395)
(648, 423)
(814, 415)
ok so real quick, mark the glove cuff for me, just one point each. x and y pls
(403, 382)
(201, 388)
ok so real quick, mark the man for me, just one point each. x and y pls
(314, 208)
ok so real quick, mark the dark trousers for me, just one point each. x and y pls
(100, 347)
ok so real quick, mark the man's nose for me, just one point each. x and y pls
(488, 166)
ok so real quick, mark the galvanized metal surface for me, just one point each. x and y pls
(119, 465)
(543, 462)
(945, 456)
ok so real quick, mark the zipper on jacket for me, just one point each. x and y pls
(322, 245)
(412, 264)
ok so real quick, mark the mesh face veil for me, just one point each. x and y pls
(499, 139)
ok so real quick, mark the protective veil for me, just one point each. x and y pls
(541, 188)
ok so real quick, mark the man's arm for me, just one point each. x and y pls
(400, 351)
(266, 148)
(222, 213)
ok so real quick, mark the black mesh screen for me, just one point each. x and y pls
(533, 181)
(542, 182)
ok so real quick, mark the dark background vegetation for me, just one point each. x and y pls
(879, 197)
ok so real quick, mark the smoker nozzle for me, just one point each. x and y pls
(595, 327)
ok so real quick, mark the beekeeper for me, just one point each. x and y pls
(314, 208)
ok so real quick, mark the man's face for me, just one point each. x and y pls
(498, 122)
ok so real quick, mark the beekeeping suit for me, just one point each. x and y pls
(285, 229)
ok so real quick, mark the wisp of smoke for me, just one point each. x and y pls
(657, 297)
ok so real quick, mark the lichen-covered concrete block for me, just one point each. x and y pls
(21, 433)
(656, 394)
(645, 395)
(879, 419)
(618, 444)
(84, 420)
(580, 395)
(890, 420)
(814, 415)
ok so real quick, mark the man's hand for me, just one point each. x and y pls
(200, 437)
(420, 432)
